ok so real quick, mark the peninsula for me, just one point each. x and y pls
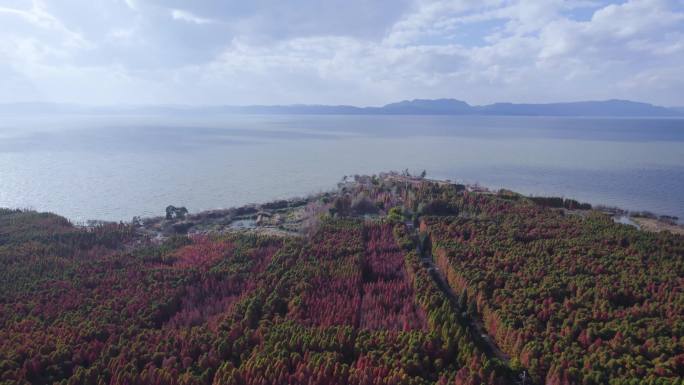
(387, 279)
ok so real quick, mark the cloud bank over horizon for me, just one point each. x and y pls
(341, 52)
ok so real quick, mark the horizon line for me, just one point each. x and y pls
(303, 104)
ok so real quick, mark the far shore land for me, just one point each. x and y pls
(295, 216)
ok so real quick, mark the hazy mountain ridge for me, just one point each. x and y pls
(614, 107)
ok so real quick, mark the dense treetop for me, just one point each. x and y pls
(569, 296)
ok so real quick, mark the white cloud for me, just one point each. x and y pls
(122, 34)
(479, 51)
(38, 16)
(179, 14)
(132, 4)
(433, 18)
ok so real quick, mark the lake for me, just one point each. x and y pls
(117, 167)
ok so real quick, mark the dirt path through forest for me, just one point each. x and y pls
(477, 330)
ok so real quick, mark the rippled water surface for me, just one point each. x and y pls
(114, 168)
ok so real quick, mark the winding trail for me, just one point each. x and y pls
(475, 325)
(483, 340)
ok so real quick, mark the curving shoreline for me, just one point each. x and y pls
(289, 217)
(293, 216)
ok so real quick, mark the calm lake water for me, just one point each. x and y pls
(117, 167)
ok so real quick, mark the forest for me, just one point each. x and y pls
(366, 295)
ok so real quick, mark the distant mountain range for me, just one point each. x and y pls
(623, 108)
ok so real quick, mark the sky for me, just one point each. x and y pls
(360, 52)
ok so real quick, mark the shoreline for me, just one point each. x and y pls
(289, 216)
(657, 225)
(286, 216)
